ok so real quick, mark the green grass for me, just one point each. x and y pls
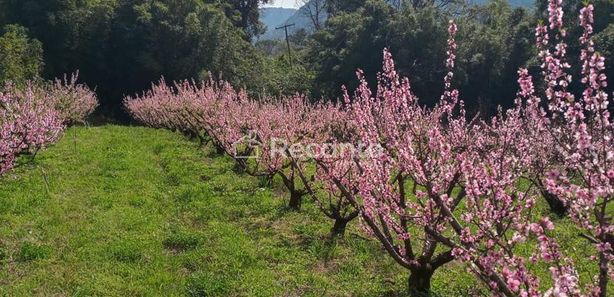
(132, 211)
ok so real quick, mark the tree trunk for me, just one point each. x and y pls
(556, 205)
(239, 167)
(603, 275)
(219, 149)
(339, 227)
(296, 198)
(420, 282)
(202, 140)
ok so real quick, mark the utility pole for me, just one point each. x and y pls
(285, 27)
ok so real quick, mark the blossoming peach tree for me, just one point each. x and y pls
(393, 190)
(316, 133)
(447, 182)
(27, 124)
(34, 116)
(584, 139)
(74, 101)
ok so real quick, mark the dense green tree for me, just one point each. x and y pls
(299, 37)
(604, 43)
(418, 41)
(285, 79)
(281, 77)
(494, 40)
(270, 47)
(335, 7)
(246, 14)
(73, 32)
(120, 46)
(350, 40)
(604, 17)
(178, 39)
(21, 58)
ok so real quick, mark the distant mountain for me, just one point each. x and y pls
(300, 19)
(273, 17)
(513, 3)
(522, 3)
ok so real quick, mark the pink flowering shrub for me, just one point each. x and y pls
(333, 127)
(291, 132)
(209, 110)
(27, 123)
(229, 119)
(274, 125)
(33, 117)
(161, 107)
(545, 156)
(74, 102)
(294, 132)
(333, 176)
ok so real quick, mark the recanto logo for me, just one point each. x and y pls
(247, 147)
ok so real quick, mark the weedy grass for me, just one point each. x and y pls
(132, 211)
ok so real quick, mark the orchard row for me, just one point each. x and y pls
(441, 187)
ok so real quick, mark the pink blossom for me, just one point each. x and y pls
(27, 123)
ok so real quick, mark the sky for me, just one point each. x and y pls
(284, 3)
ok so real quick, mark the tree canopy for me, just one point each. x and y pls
(21, 57)
(120, 46)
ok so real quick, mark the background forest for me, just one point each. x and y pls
(121, 46)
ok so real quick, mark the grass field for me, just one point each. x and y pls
(130, 211)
